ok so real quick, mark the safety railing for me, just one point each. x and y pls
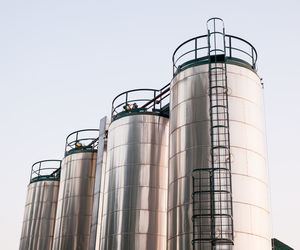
(141, 101)
(82, 140)
(45, 170)
(196, 51)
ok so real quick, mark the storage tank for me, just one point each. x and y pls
(75, 198)
(135, 195)
(40, 206)
(218, 185)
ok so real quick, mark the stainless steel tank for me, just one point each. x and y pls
(75, 198)
(40, 207)
(135, 195)
(190, 142)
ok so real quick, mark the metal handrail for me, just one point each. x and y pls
(41, 171)
(80, 141)
(125, 104)
(248, 56)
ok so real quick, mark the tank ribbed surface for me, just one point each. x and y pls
(135, 193)
(75, 201)
(39, 215)
(190, 149)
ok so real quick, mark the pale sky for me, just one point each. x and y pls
(62, 62)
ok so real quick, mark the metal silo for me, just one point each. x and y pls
(75, 198)
(134, 213)
(218, 186)
(40, 207)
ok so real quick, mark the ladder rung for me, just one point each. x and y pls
(220, 126)
(220, 146)
(218, 86)
(218, 106)
(218, 67)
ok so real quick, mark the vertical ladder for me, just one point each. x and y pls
(212, 189)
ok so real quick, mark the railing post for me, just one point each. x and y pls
(160, 100)
(230, 51)
(253, 64)
(196, 48)
(39, 169)
(208, 43)
(154, 102)
(31, 174)
(66, 144)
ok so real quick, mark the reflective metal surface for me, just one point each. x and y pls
(99, 186)
(190, 149)
(75, 200)
(135, 193)
(39, 216)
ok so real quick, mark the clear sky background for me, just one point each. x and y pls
(62, 62)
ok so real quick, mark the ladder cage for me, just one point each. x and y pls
(212, 189)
